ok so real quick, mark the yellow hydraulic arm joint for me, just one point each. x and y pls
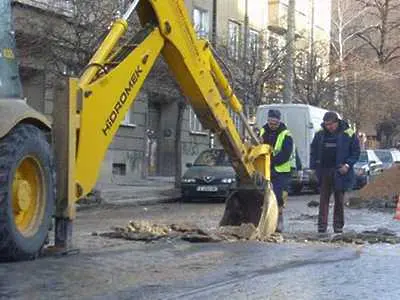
(118, 29)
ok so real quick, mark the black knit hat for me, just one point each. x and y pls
(331, 116)
(274, 114)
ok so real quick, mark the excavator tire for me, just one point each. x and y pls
(252, 206)
(27, 192)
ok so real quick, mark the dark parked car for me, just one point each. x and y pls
(389, 157)
(210, 176)
(367, 167)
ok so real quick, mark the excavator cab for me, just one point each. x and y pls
(45, 168)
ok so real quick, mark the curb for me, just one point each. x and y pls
(129, 203)
(141, 202)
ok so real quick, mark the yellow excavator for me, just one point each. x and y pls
(46, 167)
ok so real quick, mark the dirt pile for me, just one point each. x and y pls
(385, 186)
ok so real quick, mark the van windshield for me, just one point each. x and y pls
(10, 85)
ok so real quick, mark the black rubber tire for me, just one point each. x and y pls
(185, 199)
(21, 141)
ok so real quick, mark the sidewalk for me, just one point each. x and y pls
(148, 191)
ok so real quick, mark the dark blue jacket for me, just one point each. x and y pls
(348, 152)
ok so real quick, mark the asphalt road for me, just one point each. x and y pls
(118, 269)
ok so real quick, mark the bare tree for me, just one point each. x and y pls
(348, 20)
(263, 69)
(314, 82)
(365, 47)
(69, 33)
(381, 36)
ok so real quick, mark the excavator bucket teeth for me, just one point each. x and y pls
(252, 206)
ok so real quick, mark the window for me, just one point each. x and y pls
(127, 121)
(201, 22)
(119, 169)
(236, 119)
(384, 156)
(254, 42)
(363, 156)
(273, 47)
(234, 30)
(194, 123)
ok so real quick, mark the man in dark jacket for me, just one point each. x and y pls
(334, 151)
(276, 134)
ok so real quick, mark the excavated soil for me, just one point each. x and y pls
(385, 186)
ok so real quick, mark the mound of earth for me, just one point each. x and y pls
(385, 186)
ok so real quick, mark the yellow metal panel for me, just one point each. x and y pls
(64, 132)
(105, 103)
(72, 193)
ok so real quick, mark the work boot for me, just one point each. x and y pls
(279, 228)
(338, 230)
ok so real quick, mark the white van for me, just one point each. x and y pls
(303, 121)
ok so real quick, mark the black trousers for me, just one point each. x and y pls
(327, 188)
(280, 184)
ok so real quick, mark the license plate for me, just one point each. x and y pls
(208, 188)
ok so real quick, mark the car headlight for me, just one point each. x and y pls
(188, 180)
(228, 180)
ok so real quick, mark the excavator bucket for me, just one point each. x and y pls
(255, 206)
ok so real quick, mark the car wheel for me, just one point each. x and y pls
(317, 190)
(185, 199)
(297, 190)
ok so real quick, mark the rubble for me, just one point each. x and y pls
(381, 235)
(313, 203)
(145, 231)
(372, 204)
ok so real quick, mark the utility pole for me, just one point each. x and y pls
(214, 25)
(311, 67)
(211, 137)
(245, 61)
(290, 40)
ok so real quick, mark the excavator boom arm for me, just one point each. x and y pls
(107, 97)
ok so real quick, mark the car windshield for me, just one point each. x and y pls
(213, 158)
(384, 156)
(363, 156)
